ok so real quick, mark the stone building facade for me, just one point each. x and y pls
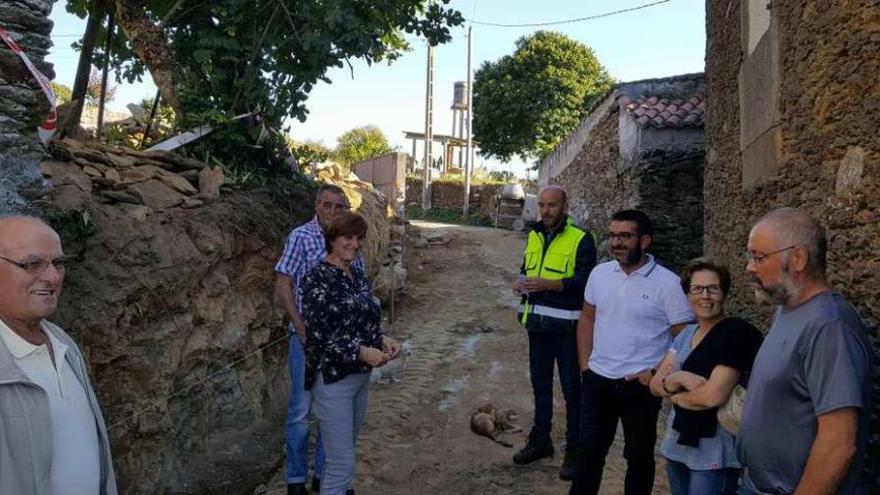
(22, 105)
(793, 91)
(642, 147)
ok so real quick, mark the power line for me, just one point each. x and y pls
(568, 21)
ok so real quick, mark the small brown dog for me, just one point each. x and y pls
(489, 422)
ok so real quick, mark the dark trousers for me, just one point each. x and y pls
(603, 402)
(545, 349)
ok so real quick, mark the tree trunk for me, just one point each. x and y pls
(81, 80)
(152, 48)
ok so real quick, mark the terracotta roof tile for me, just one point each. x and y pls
(661, 113)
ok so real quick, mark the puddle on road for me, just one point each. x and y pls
(452, 389)
(495, 367)
(468, 347)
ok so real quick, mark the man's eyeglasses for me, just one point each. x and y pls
(335, 206)
(696, 290)
(621, 236)
(38, 267)
(757, 259)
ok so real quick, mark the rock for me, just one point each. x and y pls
(69, 197)
(420, 242)
(66, 173)
(210, 180)
(157, 195)
(126, 196)
(120, 161)
(92, 171)
(136, 211)
(112, 175)
(138, 113)
(190, 203)
(139, 174)
(176, 182)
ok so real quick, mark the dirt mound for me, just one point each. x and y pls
(165, 293)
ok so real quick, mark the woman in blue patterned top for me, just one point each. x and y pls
(698, 375)
(343, 343)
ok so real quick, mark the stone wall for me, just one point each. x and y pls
(665, 184)
(450, 195)
(826, 158)
(22, 106)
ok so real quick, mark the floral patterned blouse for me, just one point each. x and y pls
(340, 317)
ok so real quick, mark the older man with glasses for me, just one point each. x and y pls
(805, 421)
(304, 249)
(53, 439)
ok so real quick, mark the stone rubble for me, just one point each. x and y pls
(155, 179)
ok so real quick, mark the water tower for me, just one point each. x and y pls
(459, 107)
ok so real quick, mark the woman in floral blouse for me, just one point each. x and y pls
(343, 343)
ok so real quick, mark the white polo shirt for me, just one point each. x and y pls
(76, 464)
(633, 316)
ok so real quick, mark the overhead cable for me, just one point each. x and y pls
(567, 21)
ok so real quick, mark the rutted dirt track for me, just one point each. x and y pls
(467, 349)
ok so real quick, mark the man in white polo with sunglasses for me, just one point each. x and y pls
(53, 440)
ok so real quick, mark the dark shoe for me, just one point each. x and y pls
(538, 446)
(569, 464)
(296, 489)
(349, 492)
(316, 485)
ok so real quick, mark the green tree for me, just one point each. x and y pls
(62, 93)
(526, 103)
(361, 143)
(216, 59)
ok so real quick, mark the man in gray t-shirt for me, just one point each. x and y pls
(805, 420)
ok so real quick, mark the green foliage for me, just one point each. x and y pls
(308, 152)
(446, 215)
(361, 143)
(62, 93)
(235, 57)
(526, 103)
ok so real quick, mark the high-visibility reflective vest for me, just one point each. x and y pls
(555, 262)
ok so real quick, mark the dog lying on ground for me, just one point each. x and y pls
(489, 422)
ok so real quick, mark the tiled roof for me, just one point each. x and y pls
(662, 113)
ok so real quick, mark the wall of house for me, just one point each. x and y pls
(387, 173)
(821, 152)
(22, 106)
(664, 183)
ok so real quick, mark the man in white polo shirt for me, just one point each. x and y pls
(632, 308)
(53, 440)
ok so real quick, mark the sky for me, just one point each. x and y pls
(657, 41)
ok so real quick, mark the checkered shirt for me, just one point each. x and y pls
(305, 249)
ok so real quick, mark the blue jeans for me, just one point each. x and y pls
(686, 481)
(545, 349)
(341, 407)
(298, 419)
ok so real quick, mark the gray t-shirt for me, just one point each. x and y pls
(816, 359)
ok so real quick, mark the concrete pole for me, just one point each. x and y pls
(469, 164)
(429, 130)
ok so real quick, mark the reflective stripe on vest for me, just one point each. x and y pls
(562, 314)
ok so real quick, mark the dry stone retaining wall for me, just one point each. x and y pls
(22, 106)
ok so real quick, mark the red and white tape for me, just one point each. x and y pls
(47, 130)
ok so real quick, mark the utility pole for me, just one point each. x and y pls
(469, 164)
(429, 131)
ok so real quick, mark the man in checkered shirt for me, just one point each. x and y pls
(304, 249)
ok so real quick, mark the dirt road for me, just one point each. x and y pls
(467, 349)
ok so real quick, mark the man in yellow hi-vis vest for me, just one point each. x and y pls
(557, 262)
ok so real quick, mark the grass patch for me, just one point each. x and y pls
(446, 215)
